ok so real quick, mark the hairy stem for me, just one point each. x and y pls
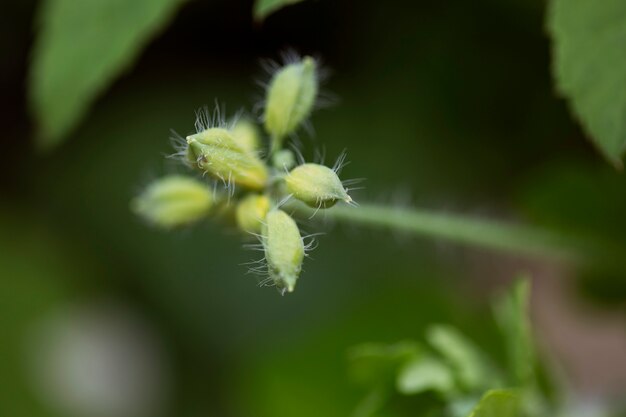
(490, 234)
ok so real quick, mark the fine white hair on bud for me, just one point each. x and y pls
(316, 185)
(251, 211)
(290, 98)
(216, 152)
(174, 201)
(284, 249)
(233, 152)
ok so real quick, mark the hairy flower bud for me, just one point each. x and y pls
(316, 185)
(246, 135)
(251, 212)
(174, 201)
(217, 153)
(284, 249)
(284, 159)
(290, 98)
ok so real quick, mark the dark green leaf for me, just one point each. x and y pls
(81, 47)
(590, 67)
(263, 8)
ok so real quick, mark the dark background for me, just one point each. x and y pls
(445, 105)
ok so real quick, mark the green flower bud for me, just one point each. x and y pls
(284, 249)
(174, 201)
(290, 98)
(246, 134)
(216, 152)
(251, 212)
(316, 185)
(284, 159)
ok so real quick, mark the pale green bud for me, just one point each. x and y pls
(174, 201)
(316, 185)
(284, 159)
(284, 249)
(251, 212)
(246, 134)
(290, 98)
(215, 152)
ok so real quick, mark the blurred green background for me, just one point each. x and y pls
(446, 105)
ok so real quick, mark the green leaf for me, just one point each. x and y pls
(590, 67)
(425, 374)
(372, 403)
(264, 8)
(81, 47)
(512, 315)
(470, 364)
(374, 364)
(498, 403)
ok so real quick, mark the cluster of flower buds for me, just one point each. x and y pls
(256, 186)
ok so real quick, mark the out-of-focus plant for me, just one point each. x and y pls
(457, 376)
(73, 32)
(590, 68)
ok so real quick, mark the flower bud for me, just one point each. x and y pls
(174, 201)
(290, 98)
(251, 212)
(246, 135)
(316, 185)
(284, 159)
(216, 153)
(284, 249)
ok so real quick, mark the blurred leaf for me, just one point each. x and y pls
(462, 406)
(372, 403)
(498, 403)
(512, 315)
(470, 364)
(81, 47)
(263, 8)
(590, 67)
(424, 374)
(373, 363)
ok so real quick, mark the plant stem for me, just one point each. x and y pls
(490, 234)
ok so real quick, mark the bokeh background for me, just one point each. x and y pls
(445, 105)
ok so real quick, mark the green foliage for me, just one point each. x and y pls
(81, 47)
(204, 304)
(264, 8)
(511, 312)
(469, 363)
(498, 403)
(424, 374)
(458, 371)
(590, 67)
(374, 363)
